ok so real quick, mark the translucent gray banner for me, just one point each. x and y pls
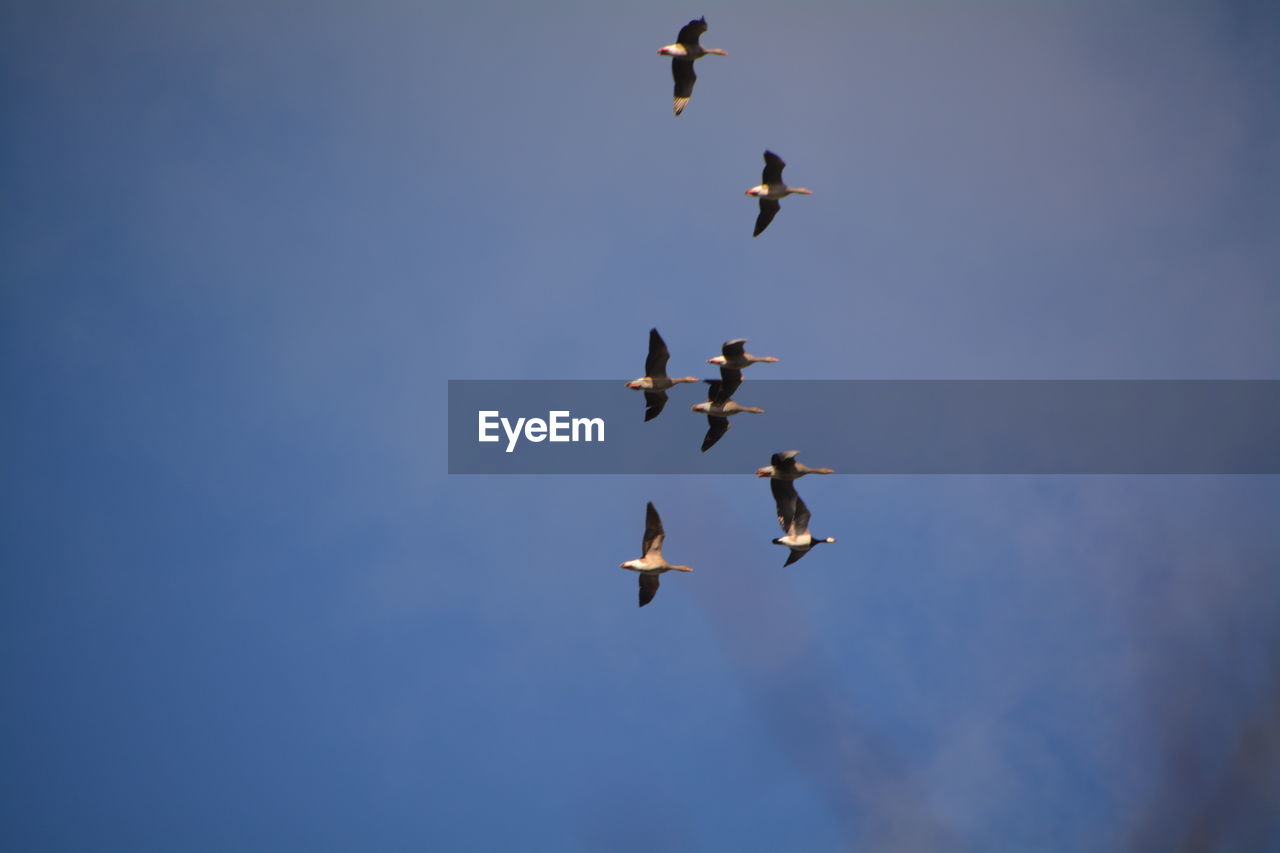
(873, 427)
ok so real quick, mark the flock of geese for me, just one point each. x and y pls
(793, 517)
(783, 468)
(719, 406)
(683, 54)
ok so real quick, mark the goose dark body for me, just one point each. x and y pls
(655, 381)
(783, 466)
(797, 537)
(734, 355)
(684, 53)
(719, 392)
(719, 407)
(652, 564)
(770, 190)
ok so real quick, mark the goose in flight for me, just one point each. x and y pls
(652, 564)
(719, 407)
(733, 357)
(771, 189)
(683, 54)
(798, 538)
(655, 381)
(783, 466)
(782, 475)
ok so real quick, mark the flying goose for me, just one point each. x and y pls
(719, 407)
(798, 538)
(783, 466)
(655, 381)
(683, 53)
(652, 564)
(771, 189)
(782, 475)
(733, 357)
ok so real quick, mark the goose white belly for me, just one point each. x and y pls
(643, 565)
(648, 383)
(681, 51)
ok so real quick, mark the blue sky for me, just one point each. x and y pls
(244, 246)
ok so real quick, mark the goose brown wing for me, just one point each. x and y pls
(648, 587)
(655, 402)
(716, 429)
(734, 349)
(796, 554)
(691, 32)
(721, 391)
(799, 524)
(769, 208)
(773, 167)
(653, 534)
(683, 75)
(784, 463)
(655, 364)
(785, 499)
